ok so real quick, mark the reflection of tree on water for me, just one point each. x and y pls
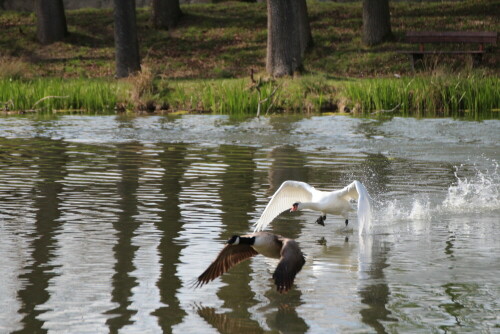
(288, 163)
(455, 307)
(281, 317)
(225, 323)
(372, 128)
(237, 198)
(450, 245)
(376, 170)
(128, 161)
(454, 290)
(338, 253)
(284, 317)
(237, 201)
(51, 162)
(170, 224)
(372, 261)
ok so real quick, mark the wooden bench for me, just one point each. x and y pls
(423, 37)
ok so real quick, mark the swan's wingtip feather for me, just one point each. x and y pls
(258, 226)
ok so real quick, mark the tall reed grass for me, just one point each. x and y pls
(231, 96)
(472, 96)
(61, 94)
(235, 96)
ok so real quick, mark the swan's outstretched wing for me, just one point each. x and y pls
(288, 193)
(356, 190)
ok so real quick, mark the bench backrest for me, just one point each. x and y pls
(452, 37)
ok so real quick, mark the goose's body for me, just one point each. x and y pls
(302, 196)
(240, 248)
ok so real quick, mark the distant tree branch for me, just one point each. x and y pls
(257, 84)
(388, 110)
(48, 97)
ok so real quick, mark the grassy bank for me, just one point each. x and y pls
(419, 96)
(471, 97)
(204, 64)
(55, 94)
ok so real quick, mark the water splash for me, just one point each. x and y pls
(474, 191)
(395, 210)
(364, 208)
(481, 192)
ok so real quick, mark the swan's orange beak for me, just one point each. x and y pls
(295, 207)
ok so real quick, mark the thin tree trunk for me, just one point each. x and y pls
(126, 43)
(51, 21)
(283, 38)
(166, 13)
(376, 21)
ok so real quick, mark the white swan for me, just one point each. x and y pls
(302, 196)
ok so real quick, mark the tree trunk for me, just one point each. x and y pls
(288, 36)
(306, 40)
(51, 21)
(126, 44)
(376, 21)
(166, 13)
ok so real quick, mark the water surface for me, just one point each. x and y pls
(105, 221)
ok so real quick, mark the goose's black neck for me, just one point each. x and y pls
(236, 239)
(247, 240)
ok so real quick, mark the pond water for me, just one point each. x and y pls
(106, 220)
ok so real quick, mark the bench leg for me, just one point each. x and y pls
(476, 59)
(414, 58)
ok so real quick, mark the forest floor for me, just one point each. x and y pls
(204, 64)
(228, 39)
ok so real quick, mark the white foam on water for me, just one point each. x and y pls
(479, 192)
(395, 210)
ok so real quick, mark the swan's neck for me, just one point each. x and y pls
(309, 206)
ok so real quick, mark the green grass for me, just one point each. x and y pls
(227, 96)
(236, 96)
(422, 96)
(215, 41)
(473, 96)
(204, 64)
(48, 94)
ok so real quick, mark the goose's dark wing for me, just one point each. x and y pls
(228, 257)
(290, 264)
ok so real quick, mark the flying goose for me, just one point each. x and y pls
(240, 248)
(302, 196)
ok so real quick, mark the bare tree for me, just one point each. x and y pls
(50, 21)
(126, 43)
(376, 21)
(288, 36)
(166, 13)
